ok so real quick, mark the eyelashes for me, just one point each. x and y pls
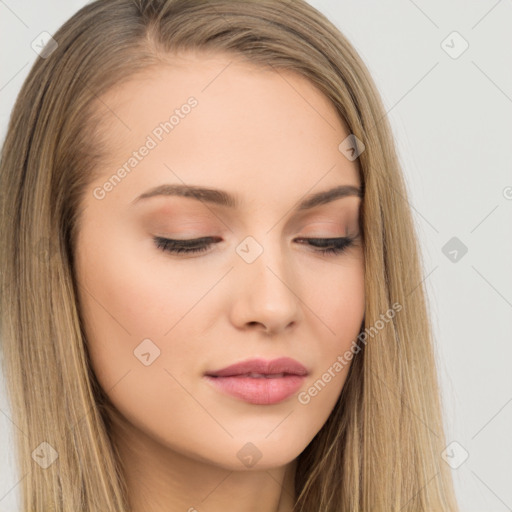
(328, 246)
(324, 246)
(185, 246)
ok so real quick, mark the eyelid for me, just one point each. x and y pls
(326, 246)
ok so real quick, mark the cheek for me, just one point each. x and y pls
(336, 298)
(335, 294)
(130, 292)
(130, 287)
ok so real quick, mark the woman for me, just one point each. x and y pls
(212, 295)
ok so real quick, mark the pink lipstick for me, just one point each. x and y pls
(258, 381)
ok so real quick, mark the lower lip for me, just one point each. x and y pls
(259, 391)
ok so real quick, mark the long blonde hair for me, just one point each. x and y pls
(380, 449)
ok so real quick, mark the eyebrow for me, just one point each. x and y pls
(223, 198)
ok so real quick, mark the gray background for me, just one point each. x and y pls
(452, 119)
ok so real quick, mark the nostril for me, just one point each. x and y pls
(254, 323)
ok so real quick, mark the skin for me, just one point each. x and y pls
(271, 138)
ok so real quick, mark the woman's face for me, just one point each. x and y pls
(157, 322)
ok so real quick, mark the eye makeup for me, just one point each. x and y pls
(324, 246)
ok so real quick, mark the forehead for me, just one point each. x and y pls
(251, 126)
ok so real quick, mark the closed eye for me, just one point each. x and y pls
(325, 246)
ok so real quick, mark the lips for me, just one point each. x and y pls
(260, 382)
(260, 368)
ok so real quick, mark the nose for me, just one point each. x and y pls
(265, 296)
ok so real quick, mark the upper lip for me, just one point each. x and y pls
(284, 365)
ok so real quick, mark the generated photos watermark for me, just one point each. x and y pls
(156, 136)
(344, 359)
